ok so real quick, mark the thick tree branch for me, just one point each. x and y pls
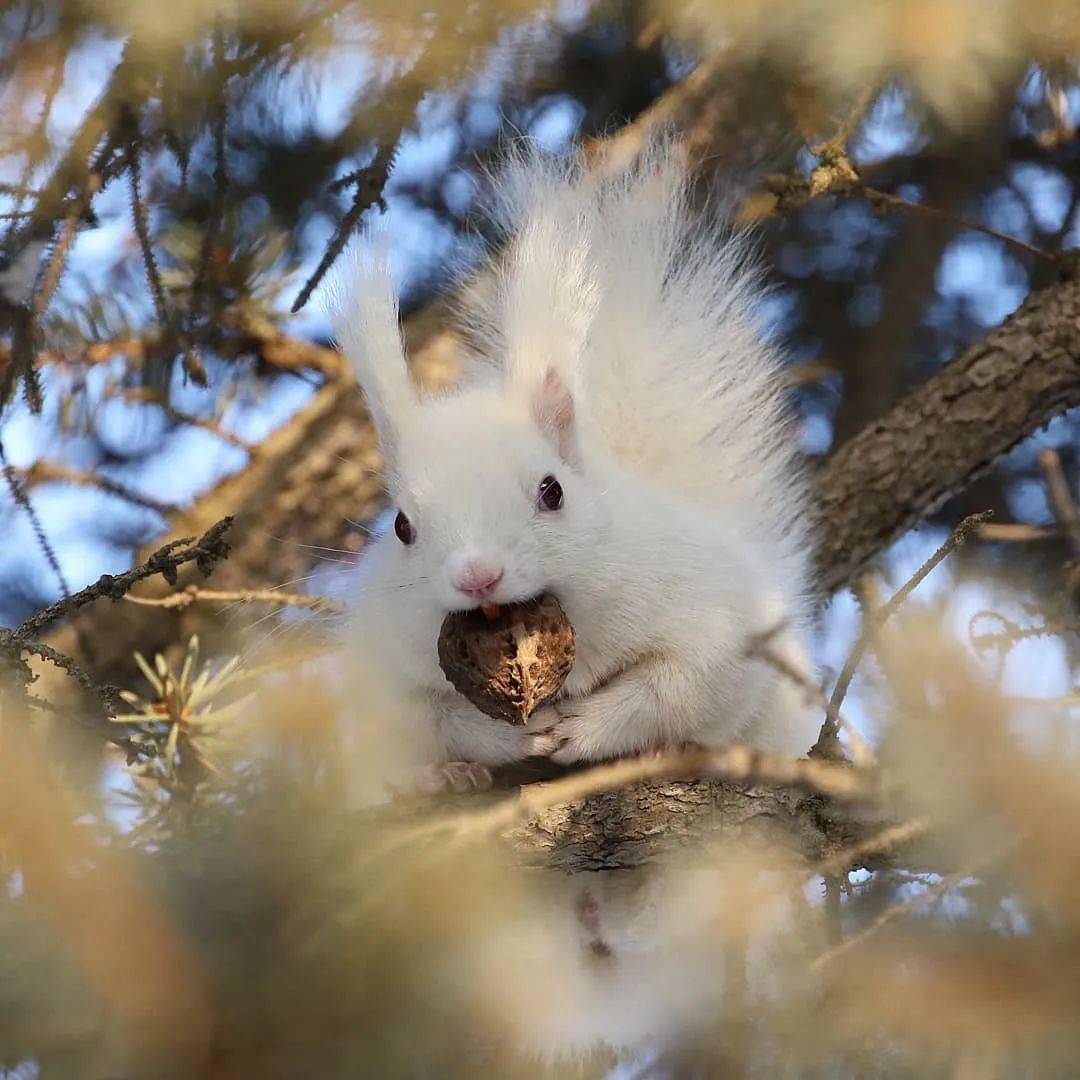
(942, 434)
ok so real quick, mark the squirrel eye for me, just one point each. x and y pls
(550, 493)
(403, 527)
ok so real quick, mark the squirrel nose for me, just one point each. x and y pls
(477, 578)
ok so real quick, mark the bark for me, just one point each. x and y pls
(647, 822)
(947, 431)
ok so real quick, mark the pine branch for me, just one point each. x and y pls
(22, 500)
(139, 217)
(166, 561)
(368, 192)
(43, 472)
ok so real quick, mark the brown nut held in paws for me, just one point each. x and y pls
(508, 661)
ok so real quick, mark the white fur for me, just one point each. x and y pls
(619, 354)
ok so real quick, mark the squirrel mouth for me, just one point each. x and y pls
(493, 611)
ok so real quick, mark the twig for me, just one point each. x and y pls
(876, 619)
(760, 646)
(887, 839)
(884, 200)
(22, 499)
(23, 360)
(1017, 532)
(142, 231)
(201, 285)
(733, 764)
(1061, 498)
(149, 396)
(186, 597)
(838, 143)
(837, 176)
(21, 190)
(71, 171)
(1012, 632)
(25, 337)
(46, 472)
(364, 197)
(107, 694)
(261, 339)
(205, 552)
(54, 265)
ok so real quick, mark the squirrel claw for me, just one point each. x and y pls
(455, 776)
(544, 720)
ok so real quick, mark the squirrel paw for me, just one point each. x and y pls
(456, 776)
(550, 734)
(567, 736)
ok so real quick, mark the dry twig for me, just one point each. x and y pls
(182, 600)
(369, 184)
(140, 219)
(1065, 510)
(167, 560)
(874, 621)
(760, 646)
(22, 499)
(42, 472)
(1016, 532)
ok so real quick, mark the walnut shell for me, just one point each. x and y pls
(511, 664)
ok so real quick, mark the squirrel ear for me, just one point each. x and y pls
(366, 321)
(548, 291)
(553, 411)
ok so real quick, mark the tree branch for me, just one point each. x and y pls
(944, 433)
(205, 551)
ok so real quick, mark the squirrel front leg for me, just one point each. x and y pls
(468, 745)
(466, 734)
(637, 711)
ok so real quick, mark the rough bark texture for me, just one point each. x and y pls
(942, 434)
(648, 821)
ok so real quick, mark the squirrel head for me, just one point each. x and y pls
(492, 500)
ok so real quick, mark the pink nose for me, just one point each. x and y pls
(478, 579)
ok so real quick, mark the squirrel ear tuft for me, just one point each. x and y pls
(553, 410)
(366, 322)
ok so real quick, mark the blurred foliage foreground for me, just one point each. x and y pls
(232, 899)
(253, 914)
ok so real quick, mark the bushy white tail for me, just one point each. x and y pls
(646, 304)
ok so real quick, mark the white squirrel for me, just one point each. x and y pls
(620, 440)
